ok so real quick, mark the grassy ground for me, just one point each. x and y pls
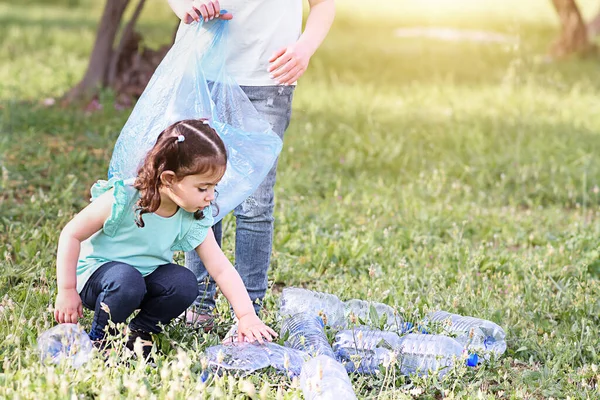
(421, 173)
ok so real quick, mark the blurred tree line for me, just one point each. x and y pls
(118, 60)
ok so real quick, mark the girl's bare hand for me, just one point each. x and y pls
(251, 328)
(68, 308)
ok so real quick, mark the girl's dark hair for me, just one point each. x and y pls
(200, 152)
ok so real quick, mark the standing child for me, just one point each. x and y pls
(268, 52)
(115, 256)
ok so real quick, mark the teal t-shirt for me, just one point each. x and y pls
(145, 249)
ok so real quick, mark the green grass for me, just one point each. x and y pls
(464, 175)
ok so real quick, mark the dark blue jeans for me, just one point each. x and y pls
(254, 217)
(160, 296)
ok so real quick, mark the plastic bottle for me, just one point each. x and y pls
(362, 310)
(364, 352)
(249, 357)
(237, 356)
(365, 338)
(363, 349)
(323, 378)
(305, 332)
(285, 359)
(65, 342)
(419, 353)
(493, 335)
(327, 306)
(474, 341)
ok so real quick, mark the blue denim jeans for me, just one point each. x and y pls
(254, 217)
(160, 296)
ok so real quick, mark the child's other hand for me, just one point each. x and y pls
(68, 308)
(251, 328)
(207, 9)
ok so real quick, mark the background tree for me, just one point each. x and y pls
(122, 66)
(574, 37)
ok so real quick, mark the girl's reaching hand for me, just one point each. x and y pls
(68, 308)
(207, 9)
(251, 328)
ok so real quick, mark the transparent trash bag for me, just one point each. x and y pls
(65, 342)
(190, 83)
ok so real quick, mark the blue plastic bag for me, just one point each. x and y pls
(192, 82)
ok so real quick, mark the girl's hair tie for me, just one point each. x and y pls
(180, 138)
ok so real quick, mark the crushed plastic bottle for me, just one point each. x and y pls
(363, 349)
(244, 356)
(365, 338)
(364, 310)
(419, 354)
(305, 332)
(323, 378)
(285, 359)
(469, 330)
(324, 305)
(249, 357)
(65, 342)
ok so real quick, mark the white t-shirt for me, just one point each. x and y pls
(257, 30)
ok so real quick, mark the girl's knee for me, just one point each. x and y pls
(186, 286)
(127, 281)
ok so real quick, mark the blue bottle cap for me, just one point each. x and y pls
(472, 360)
(204, 376)
(406, 326)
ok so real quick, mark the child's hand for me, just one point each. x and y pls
(207, 9)
(251, 328)
(68, 308)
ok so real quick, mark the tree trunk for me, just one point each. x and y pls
(126, 37)
(97, 71)
(594, 26)
(574, 37)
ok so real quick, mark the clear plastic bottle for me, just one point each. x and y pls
(65, 342)
(419, 354)
(305, 332)
(249, 357)
(474, 341)
(323, 378)
(237, 356)
(362, 309)
(366, 338)
(285, 359)
(363, 349)
(327, 306)
(494, 337)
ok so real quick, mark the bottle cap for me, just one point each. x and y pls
(472, 360)
(407, 326)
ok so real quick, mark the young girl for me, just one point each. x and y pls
(115, 256)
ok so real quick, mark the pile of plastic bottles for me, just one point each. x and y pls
(368, 335)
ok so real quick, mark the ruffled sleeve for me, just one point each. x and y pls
(196, 233)
(122, 199)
